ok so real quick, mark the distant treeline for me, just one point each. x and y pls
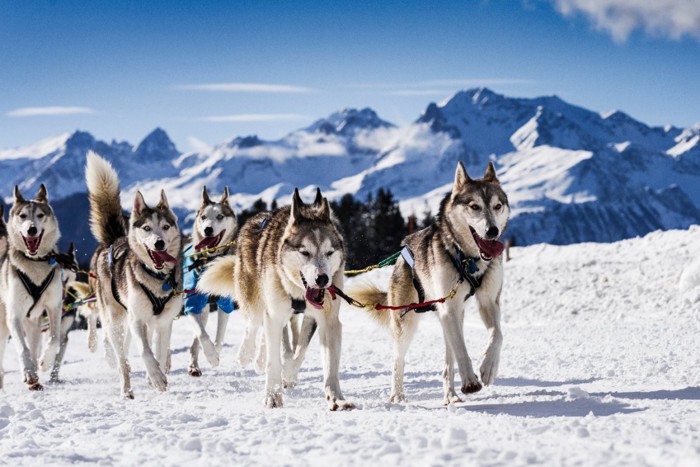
(373, 228)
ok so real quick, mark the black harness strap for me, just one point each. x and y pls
(35, 291)
(466, 267)
(157, 303)
(407, 255)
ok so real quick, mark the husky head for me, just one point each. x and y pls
(216, 223)
(478, 211)
(153, 233)
(32, 226)
(69, 265)
(312, 250)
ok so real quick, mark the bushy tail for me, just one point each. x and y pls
(217, 279)
(106, 218)
(370, 295)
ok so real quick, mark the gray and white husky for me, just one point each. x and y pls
(138, 272)
(459, 251)
(30, 283)
(285, 261)
(215, 226)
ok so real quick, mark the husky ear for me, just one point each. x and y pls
(325, 209)
(42, 196)
(163, 203)
(71, 251)
(205, 196)
(18, 196)
(297, 203)
(461, 176)
(2, 213)
(139, 204)
(224, 197)
(490, 174)
(319, 198)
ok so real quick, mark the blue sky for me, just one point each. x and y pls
(119, 69)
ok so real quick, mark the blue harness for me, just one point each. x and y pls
(195, 302)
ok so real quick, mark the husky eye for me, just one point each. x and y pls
(166, 227)
(23, 216)
(475, 207)
(330, 253)
(219, 217)
(305, 253)
(204, 217)
(146, 228)
(498, 207)
(40, 216)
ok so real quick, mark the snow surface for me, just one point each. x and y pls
(600, 366)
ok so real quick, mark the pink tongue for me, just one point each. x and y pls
(32, 243)
(162, 257)
(312, 296)
(207, 242)
(493, 248)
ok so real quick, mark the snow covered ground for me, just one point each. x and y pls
(600, 366)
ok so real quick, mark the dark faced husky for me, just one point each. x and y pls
(460, 252)
(285, 261)
(30, 283)
(138, 272)
(214, 229)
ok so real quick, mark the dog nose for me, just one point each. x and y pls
(32, 231)
(208, 231)
(322, 280)
(492, 232)
(160, 245)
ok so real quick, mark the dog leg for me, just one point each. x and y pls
(200, 332)
(117, 334)
(402, 330)
(66, 324)
(32, 331)
(246, 352)
(448, 376)
(295, 325)
(4, 336)
(163, 335)
(193, 369)
(288, 375)
(92, 332)
(221, 325)
(27, 366)
(331, 336)
(48, 357)
(155, 374)
(308, 328)
(451, 318)
(490, 312)
(273, 326)
(261, 355)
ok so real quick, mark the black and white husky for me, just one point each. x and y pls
(138, 272)
(30, 283)
(215, 227)
(285, 262)
(460, 252)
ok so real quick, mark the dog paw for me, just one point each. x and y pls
(397, 398)
(489, 370)
(194, 371)
(288, 384)
(128, 395)
(451, 398)
(245, 356)
(158, 380)
(471, 387)
(273, 400)
(210, 352)
(339, 404)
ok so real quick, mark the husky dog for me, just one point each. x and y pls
(138, 272)
(285, 261)
(88, 310)
(215, 225)
(30, 282)
(459, 252)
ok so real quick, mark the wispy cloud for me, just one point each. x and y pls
(48, 111)
(254, 118)
(673, 19)
(248, 88)
(442, 83)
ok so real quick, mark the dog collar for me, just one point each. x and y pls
(169, 279)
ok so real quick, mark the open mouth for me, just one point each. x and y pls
(313, 295)
(210, 242)
(32, 243)
(488, 249)
(159, 258)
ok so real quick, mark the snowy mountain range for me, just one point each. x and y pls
(571, 174)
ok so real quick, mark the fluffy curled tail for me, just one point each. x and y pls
(106, 218)
(370, 294)
(217, 279)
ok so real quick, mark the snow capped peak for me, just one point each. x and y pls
(243, 142)
(38, 149)
(471, 97)
(157, 146)
(348, 121)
